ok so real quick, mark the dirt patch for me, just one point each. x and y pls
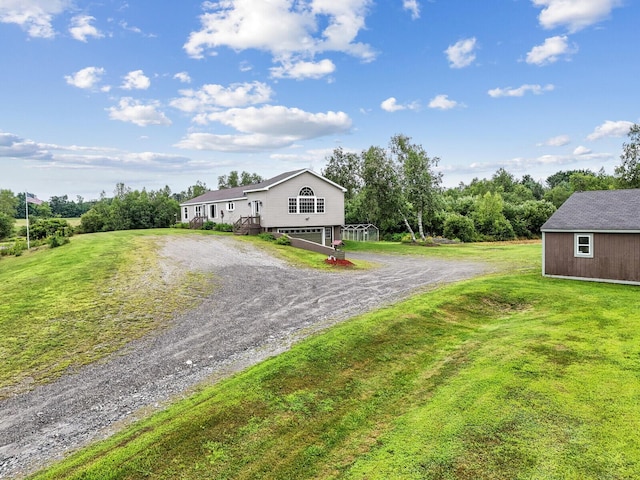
(259, 308)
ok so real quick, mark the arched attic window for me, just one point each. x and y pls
(306, 202)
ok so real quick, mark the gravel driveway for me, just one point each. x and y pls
(259, 308)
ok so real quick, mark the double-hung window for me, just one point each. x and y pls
(583, 246)
(231, 206)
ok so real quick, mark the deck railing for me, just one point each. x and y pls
(247, 226)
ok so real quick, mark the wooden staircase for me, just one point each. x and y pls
(196, 222)
(247, 226)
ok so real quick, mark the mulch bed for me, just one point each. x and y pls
(338, 262)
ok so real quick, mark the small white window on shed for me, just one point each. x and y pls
(583, 245)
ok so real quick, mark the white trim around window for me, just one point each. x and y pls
(306, 202)
(583, 245)
(231, 206)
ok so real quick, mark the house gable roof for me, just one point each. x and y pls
(601, 210)
(239, 193)
(283, 177)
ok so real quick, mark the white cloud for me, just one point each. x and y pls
(574, 14)
(81, 28)
(610, 129)
(550, 51)
(233, 143)
(266, 127)
(212, 97)
(287, 29)
(302, 69)
(12, 146)
(392, 105)
(183, 77)
(34, 16)
(442, 102)
(558, 141)
(413, 7)
(87, 78)
(520, 91)
(580, 150)
(136, 80)
(133, 111)
(283, 121)
(461, 54)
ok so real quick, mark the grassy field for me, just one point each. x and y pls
(507, 376)
(62, 308)
(74, 221)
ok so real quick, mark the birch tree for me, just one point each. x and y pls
(420, 184)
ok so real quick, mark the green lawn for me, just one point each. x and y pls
(64, 307)
(506, 376)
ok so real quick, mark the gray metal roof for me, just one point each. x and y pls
(600, 210)
(236, 193)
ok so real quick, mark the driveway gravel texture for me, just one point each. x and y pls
(259, 307)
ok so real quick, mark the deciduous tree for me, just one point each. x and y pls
(8, 203)
(628, 172)
(419, 182)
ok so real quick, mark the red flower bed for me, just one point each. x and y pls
(336, 261)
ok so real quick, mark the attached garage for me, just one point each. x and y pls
(311, 234)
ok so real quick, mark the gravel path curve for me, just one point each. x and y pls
(259, 308)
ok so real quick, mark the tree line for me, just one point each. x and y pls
(399, 190)
(396, 188)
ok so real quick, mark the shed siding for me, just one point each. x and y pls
(616, 256)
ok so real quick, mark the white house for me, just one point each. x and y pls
(301, 203)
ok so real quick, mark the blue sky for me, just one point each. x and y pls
(168, 93)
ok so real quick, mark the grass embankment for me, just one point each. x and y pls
(65, 307)
(506, 376)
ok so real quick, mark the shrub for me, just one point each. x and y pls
(49, 227)
(267, 237)
(180, 225)
(19, 246)
(6, 225)
(283, 240)
(57, 240)
(406, 238)
(392, 237)
(460, 227)
(208, 225)
(223, 227)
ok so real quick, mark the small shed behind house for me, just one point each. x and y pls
(594, 236)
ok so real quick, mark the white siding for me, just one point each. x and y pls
(242, 208)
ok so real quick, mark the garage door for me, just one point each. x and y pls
(311, 234)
